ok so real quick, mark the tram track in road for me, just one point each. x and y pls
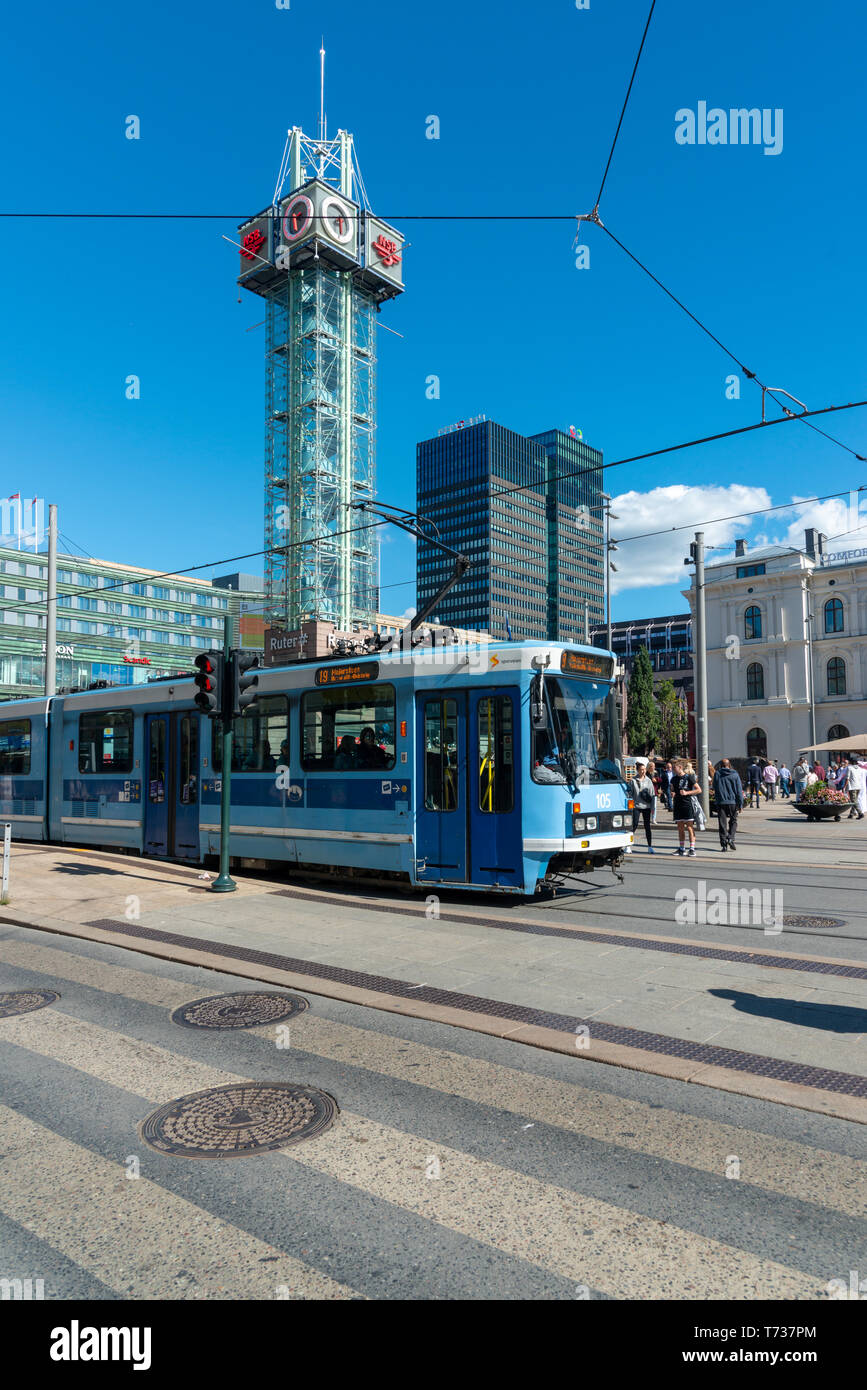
(667, 923)
(586, 931)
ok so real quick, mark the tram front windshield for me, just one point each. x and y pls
(581, 742)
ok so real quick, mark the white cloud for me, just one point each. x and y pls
(658, 559)
(409, 613)
(842, 519)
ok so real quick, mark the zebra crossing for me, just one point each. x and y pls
(459, 1166)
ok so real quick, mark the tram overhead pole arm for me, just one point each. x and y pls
(415, 524)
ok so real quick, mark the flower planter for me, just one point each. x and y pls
(821, 810)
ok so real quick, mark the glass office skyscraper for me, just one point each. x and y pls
(536, 553)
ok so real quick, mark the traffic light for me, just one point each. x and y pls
(245, 682)
(209, 680)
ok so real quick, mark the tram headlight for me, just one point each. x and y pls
(578, 823)
(616, 822)
(591, 822)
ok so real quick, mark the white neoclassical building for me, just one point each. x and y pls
(786, 648)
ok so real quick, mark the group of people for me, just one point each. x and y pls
(675, 785)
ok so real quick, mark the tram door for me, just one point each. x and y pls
(441, 780)
(494, 794)
(172, 785)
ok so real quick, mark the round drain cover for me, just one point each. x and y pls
(247, 1117)
(792, 919)
(238, 1010)
(24, 1001)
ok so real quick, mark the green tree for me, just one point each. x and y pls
(672, 725)
(642, 716)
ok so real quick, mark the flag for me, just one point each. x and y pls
(16, 497)
(509, 629)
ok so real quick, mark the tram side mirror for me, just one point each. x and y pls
(538, 716)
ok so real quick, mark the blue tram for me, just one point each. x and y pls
(489, 768)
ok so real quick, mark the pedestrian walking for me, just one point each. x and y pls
(642, 795)
(800, 773)
(785, 782)
(685, 793)
(665, 776)
(754, 781)
(770, 776)
(856, 785)
(729, 799)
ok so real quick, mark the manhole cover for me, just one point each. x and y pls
(245, 1118)
(24, 1001)
(791, 919)
(238, 1010)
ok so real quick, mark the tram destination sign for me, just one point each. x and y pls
(583, 664)
(348, 673)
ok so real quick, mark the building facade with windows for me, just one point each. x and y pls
(668, 641)
(537, 554)
(787, 649)
(116, 623)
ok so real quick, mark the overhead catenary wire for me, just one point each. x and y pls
(625, 104)
(673, 448)
(149, 577)
(752, 376)
(523, 487)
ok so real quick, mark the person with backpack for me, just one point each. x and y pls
(729, 799)
(685, 787)
(643, 796)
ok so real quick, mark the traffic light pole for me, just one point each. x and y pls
(224, 883)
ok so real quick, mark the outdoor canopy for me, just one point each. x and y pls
(838, 745)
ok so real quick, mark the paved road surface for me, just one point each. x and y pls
(554, 1179)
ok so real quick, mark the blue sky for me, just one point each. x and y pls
(768, 250)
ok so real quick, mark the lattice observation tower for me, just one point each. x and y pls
(323, 264)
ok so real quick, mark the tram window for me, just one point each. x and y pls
(496, 754)
(441, 755)
(337, 724)
(157, 762)
(15, 747)
(105, 741)
(189, 760)
(260, 741)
